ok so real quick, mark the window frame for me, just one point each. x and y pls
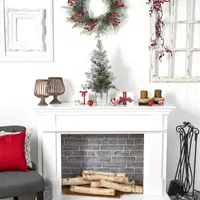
(188, 50)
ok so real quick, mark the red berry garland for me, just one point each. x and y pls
(156, 7)
(100, 25)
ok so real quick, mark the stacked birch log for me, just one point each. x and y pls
(101, 183)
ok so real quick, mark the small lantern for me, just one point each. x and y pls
(55, 87)
(40, 91)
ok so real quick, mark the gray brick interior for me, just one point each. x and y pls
(109, 152)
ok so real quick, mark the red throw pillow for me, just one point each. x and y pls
(12, 155)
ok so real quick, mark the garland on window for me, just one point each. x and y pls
(158, 41)
(79, 16)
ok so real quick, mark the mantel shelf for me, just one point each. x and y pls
(68, 108)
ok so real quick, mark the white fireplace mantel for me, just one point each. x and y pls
(55, 120)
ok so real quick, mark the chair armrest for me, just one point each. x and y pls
(34, 167)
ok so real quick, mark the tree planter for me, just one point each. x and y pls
(101, 99)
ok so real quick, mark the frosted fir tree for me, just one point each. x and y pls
(100, 78)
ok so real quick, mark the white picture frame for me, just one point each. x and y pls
(38, 47)
(36, 42)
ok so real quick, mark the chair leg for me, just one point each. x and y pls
(15, 198)
(40, 196)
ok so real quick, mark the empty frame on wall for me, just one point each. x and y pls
(27, 34)
(181, 33)
(25, 30)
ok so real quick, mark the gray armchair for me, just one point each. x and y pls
(17, 183)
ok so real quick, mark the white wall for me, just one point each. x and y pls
(129, 55)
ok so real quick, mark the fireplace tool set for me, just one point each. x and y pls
(183, 185)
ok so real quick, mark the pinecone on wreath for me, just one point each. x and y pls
(100, 77)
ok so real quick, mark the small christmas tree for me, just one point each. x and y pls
(100, 78)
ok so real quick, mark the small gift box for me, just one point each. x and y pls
(83, 97)
(125, 98)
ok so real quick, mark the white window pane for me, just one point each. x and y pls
(196, 36)
(196, 9)
(196, 64)
(163, 66)
(165, 7)
(180, 39)
(181, 9)
(166, 32)
(179, 64)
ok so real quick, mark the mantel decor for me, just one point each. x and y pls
(100, 78)
(40, 91)
(157, 40)
(55, 87)
(79, 16)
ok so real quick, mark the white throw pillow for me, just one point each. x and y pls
(27, 143)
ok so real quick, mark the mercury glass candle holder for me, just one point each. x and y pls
(40, 91)
(55, 88)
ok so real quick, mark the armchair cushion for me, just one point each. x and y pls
(12, 156)
(17, 183)
(15, 130)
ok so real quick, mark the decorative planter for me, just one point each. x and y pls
(101, 99)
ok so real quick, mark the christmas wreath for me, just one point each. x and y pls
(79, 16)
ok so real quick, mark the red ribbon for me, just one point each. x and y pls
(83, 95)
(124, 99)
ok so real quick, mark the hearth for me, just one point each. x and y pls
(108, 153)
(55, 122)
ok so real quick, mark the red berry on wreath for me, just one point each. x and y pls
(150, 102)
(119, 4)
(90, 102)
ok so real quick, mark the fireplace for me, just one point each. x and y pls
(147, 123)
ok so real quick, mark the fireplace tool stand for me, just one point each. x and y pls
(183, 185)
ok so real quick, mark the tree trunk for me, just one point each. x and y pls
(75, 181)
(91, 172)
(121, 187)
(95, 184)
(118, 179)
(97, 191)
